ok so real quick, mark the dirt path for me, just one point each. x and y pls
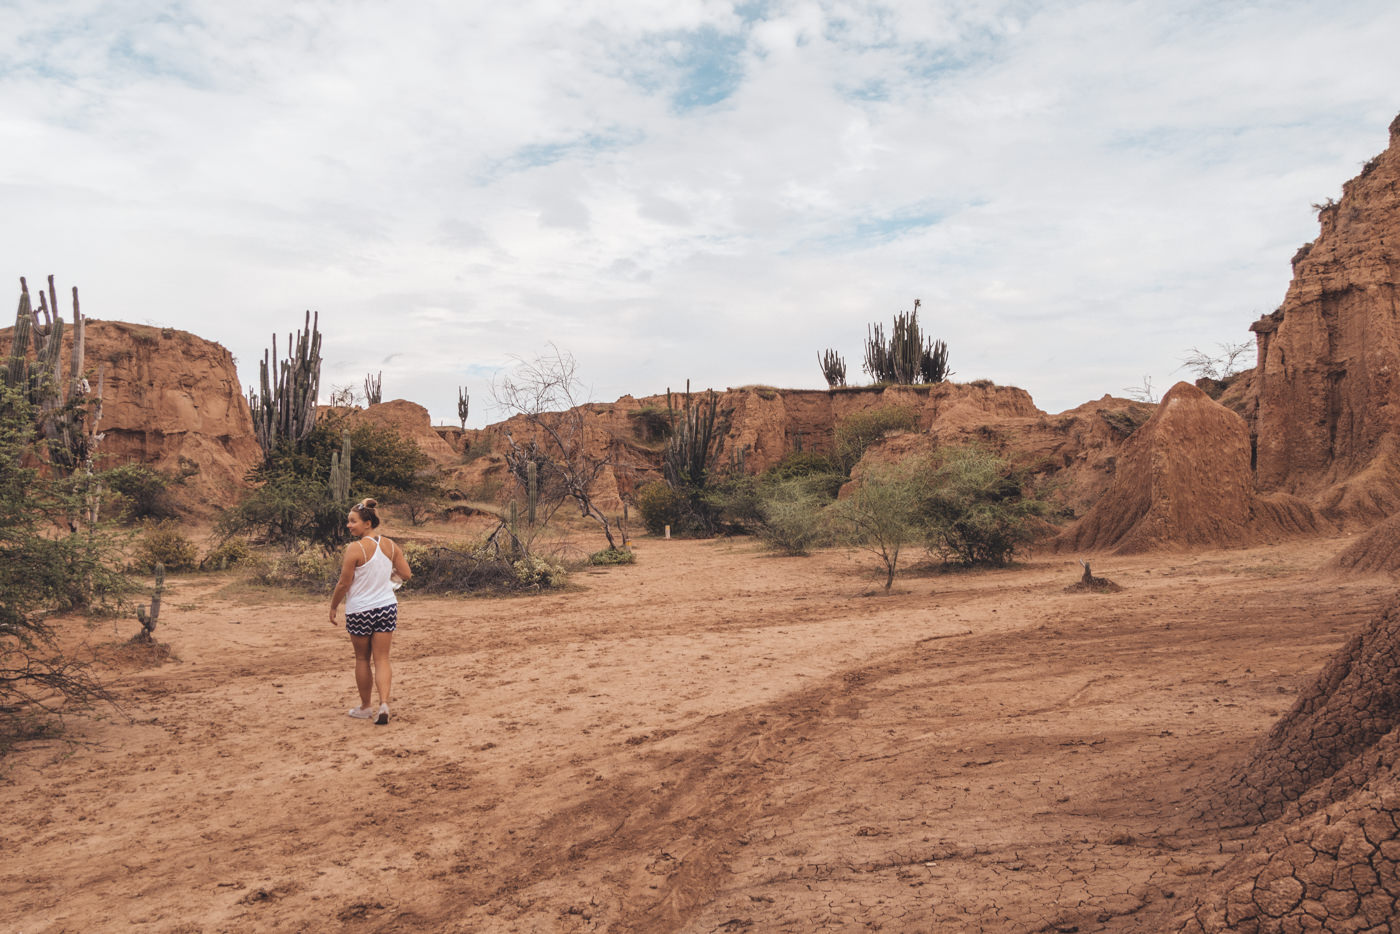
(711, 740)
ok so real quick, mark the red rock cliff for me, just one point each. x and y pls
(1328, 383)
(172, 400)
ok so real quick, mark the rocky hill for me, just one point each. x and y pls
(1327, 388)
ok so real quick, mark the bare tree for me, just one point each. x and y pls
(1218, 366)
(1142, 393)
(547, 394)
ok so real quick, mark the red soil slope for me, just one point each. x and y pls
(1183, 480)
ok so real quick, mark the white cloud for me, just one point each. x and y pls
(1077, 191)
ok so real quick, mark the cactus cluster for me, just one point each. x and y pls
(833, 368)
(689, 447)
(285, 410)
(374, 388)
(464, 401)
(908, 356)
(67, 409)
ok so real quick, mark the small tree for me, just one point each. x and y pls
(977, 509)
(882, 515)
(42, 571)
(343, 397)
(1218, 366)
(546, 394)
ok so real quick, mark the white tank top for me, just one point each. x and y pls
(371, 587)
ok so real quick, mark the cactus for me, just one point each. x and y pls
(532, 489)
(67, 415)
(833, 368)
(907, 357)
(464, 400)
(374, 388)
(340, 470)
(689, 447)
(148, 619)
(285, 410)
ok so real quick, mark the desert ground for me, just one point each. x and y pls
(713, 739)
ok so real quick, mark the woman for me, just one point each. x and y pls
(370, 606)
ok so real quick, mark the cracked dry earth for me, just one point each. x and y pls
(710, 740)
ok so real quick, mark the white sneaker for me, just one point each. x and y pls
(383, 717)
(361, 713)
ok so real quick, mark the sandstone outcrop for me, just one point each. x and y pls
(1328, 381)
(408, 420)
(1326, 779)
(1183, 480)
(172, 400)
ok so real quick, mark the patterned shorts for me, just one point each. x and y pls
(379, 619)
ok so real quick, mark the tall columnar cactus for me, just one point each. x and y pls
(833, 368)
(340, 470)
(908, 356)
(532, 489)
(67, 413)
(688, 449)
(374, 388)
(285, 410)
(464, 400)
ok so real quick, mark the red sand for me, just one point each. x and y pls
(711, 740)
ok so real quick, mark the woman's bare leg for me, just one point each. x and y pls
(364, 679)
(383, 672)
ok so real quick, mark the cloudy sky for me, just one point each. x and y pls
(1077, 191)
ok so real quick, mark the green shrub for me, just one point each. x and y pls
(462, 568)
(234, 551)
(534, 571)
(613, 556)
(308, 569)
(792, 517)
(977, 510)
(163, 543)
(141, 492)
(734, 502)
(858, 431)
(286, 510)
(799, 464)
(383, 462)
(660, 506)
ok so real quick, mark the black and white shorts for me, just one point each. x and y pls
(379, 619)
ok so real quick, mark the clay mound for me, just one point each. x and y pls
(1183, 480)
(410, 420)
(1326, 776)
(1377, 551)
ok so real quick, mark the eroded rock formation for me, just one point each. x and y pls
(172, 400)
(1328, 383)
(1325, 777)
(1183, 479)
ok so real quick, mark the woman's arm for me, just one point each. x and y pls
(342, 586)
(400, 562)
